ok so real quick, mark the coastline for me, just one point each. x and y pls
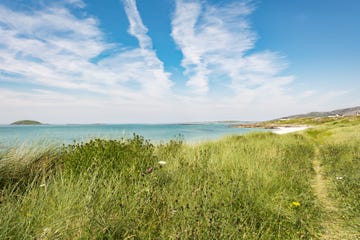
(285, 130)
(278, 128)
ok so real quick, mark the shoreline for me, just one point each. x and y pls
(274, 127)
(285, 130)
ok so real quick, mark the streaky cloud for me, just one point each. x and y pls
(57, 56)
(54, 48)
(215, 41)
(137, 28)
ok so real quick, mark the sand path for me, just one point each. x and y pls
(285, 130)
(333, 224)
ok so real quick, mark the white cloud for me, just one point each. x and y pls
(76, 3)
(137, 28)
(50, 47)
(140, 65)
(215, 41)
(217, 44)
(50, 52)
(207, 35)
(54, 48)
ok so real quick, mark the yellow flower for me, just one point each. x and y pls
(295, 204)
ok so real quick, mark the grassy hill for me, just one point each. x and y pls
(308, 121)
(354, 111)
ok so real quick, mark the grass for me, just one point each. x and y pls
(340, 158)
(255, 186)
(344, 173)
(338, 144)
(318, 121)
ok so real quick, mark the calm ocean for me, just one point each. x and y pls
(15, 134)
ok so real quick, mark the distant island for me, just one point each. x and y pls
(26, 122)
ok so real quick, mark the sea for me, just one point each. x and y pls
(13, 135)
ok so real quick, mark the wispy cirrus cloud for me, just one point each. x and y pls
(140, 65)
(53, 57)
(76, 3)
(215, 41)
(53, 48)
(50, 47)
(137, 28)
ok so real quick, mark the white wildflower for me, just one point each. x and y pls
(162, 163)
(339, 178)
(45, 233)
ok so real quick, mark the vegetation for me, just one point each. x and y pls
(327, 121)
(353, 111)
(26, 122)
(308, 121)
(255, 186)
(339, 152)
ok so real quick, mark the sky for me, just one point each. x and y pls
(166, 61)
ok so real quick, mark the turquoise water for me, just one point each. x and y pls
(16, 134)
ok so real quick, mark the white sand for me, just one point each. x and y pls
(284, 130)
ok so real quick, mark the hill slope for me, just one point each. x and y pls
(342, 112)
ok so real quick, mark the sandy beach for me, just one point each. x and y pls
(284, 130)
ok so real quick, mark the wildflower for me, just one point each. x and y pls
(339, 178)
(46, 230)
(162, 163)
(295, 204)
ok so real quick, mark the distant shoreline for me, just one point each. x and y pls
(285, 130)
(275, 128)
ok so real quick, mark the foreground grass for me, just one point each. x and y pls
(339, 145)
(256, 186)
(341, 163)
(238, 187)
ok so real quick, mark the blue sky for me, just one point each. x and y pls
(128, 61)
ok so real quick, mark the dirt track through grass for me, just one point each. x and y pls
(333, 224)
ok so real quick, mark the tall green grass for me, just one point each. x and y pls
(338, 142)
(21, 165)
(237, 187)
(340, 157)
